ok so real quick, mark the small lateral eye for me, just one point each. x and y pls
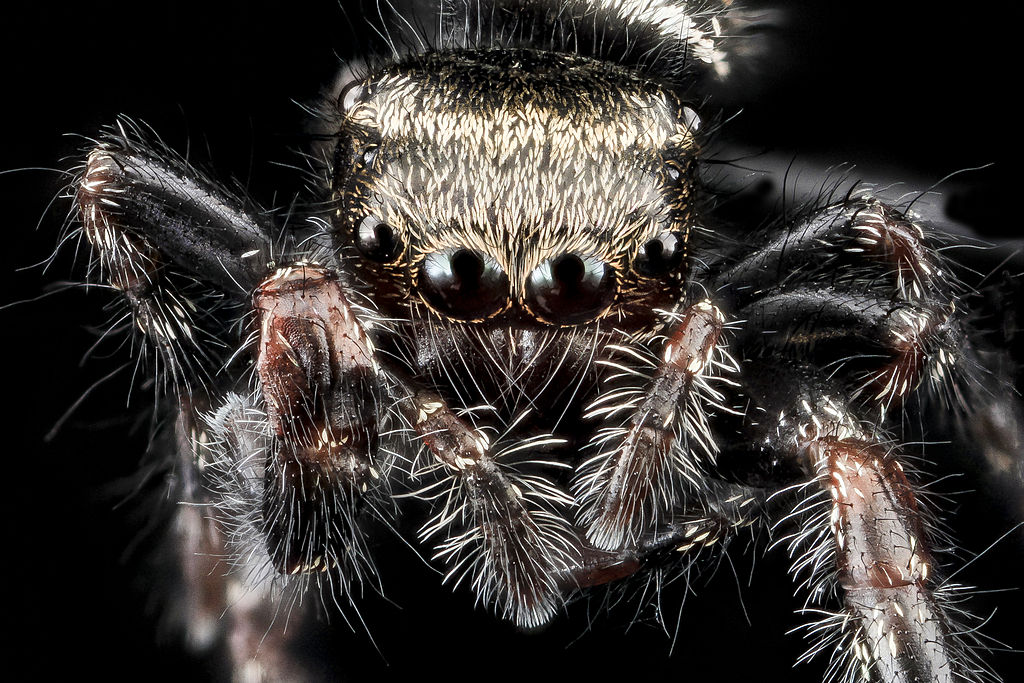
(463, 284)
(661, 255)
(377, 241)
(351, 95)
(570, 289)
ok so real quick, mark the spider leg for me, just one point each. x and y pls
(317, 372)
(883, 566)
(863, 540)
(504, 532)
(644, 464)
(622, 489)
(692, 530)
(899, 343)
(177, 247)
(859, 235)
(296, 468)
(286, 471)
(860, 275)
(860, 307)
(215, 607)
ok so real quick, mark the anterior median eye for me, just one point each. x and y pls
(570, 289)
(661, 255)
(463, 284)
(377, 240)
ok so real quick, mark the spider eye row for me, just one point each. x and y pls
(568, 289)
(464, 284)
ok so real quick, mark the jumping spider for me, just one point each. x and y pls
(516, 304)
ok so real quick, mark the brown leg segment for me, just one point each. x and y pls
(623, 491)
(315, 367)
(899, 630)
(859, 539)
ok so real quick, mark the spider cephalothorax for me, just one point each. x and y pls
(516, 184)
(518, 306)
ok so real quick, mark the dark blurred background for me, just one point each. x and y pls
(908, 92)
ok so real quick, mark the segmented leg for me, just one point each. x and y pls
(503, 532)
(862, 541)
(892, 304)
(262, 621)
(883, 566)
(317, 376)
(860, 275)
(176, 246)
(859, 238)
(899, 343)
(639, 474)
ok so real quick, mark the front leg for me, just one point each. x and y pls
(883, 566)
(318, 381)
(268, 484)
(503, 529)
(645, 463)
(178, 248)
(297, 467)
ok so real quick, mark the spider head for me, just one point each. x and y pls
(515, 189)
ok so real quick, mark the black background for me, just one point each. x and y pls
(913, 92)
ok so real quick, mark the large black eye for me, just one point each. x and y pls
(463, 284)
(377, 240)
(570, 289)
(661, 255)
